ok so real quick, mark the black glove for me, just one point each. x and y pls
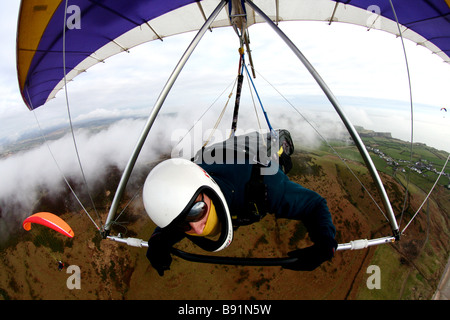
(159, 246)
(158, 252)
(311, 257)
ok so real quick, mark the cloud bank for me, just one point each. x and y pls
(26, 174)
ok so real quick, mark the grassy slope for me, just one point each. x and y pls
(410, 269)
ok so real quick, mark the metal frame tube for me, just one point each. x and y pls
(351, 129)
(364, 243)
(283, 261)
(151, 119)
(352, 245)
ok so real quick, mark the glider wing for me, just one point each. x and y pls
(49, 220)
(56, 39)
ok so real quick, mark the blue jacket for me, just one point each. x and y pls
(286, 199)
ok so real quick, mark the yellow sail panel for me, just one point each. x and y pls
(33, 19)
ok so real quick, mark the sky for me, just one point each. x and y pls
(366, 71)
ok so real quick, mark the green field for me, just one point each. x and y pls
(422, 156)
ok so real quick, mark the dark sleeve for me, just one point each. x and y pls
(299, 203)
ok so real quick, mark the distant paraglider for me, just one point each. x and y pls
(49, 220)
(445, 110)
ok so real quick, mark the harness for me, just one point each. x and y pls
(254, 149)
(256, 200)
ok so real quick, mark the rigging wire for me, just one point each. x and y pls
(428, 195)
(412, 130)
(69, 113)
(241, 68)
(233, 84)
(208, 108)
(61, 172)
(219, 119)
(249, 82)
(412, 112)
(136, 194)
(260, 103)
(326, 141)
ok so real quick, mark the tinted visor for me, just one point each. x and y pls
(196, 213)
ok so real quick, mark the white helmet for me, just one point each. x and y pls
(171, 189)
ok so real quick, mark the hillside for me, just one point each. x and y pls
(410, 269)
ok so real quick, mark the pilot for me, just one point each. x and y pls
(205, 201)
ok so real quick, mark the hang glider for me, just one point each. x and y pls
(96, 30)
(58, 40)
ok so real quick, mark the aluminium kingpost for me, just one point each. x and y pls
(151, 119)
(351, 129)
(130, 165)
